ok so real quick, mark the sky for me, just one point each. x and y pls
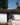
(12, 4)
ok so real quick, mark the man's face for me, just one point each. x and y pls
(10, 12)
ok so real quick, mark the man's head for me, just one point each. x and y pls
(10, 12)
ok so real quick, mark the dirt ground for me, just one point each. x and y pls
(14, 22)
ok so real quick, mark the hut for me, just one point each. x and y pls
(13, 11)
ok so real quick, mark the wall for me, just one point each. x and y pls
(3, 18)
(17, 16)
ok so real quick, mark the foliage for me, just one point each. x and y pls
(16, 3)
(3, 2)
(18, 7)
(1, 8)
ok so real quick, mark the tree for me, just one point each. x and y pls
(18, 7)
(17, 3)
(3, 4)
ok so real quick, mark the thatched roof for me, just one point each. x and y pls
(12, 10)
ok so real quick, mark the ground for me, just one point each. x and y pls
(14, 22)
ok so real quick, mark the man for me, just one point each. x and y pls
(10, 17)
(7, 16)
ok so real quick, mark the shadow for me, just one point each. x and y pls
(3, 24)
